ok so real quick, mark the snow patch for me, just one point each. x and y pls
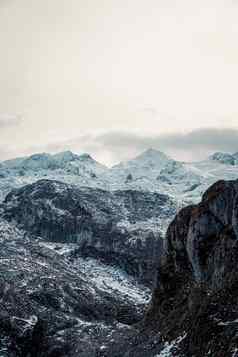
(171, 347)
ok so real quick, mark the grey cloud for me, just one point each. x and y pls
(114, 146)
(121, 145)
(210, 139)
(195, 145)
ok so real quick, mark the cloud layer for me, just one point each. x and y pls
(113, 146)
(194, 145)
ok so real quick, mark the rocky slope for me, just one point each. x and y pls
(120, 227)
(65, 166)
(53, 305)
(66, 251)
(196, 295)
(56, 303)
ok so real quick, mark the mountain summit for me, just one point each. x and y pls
(153, 154)
(151, 171)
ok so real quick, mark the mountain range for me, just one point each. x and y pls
(136, 260)
(151, 171)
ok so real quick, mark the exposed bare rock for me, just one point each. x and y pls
(196, 293)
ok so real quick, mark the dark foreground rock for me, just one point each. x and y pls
(51, 306)
(196, 298)
(53, 303)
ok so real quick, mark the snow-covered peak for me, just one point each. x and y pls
(150, 159)
(65, 156)
(139, 173)
(38, 161)
(235, 155)
(45, 161)
(224, 158)
(65, 166)
(153, 155)
(69, 156)
(151, 171)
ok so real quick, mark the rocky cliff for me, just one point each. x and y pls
(56, 303)
(196, 296)
(51, 306)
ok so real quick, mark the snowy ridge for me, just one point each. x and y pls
(89, 302)
(151, 171)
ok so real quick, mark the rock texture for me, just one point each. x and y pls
(196, 294)
(51, 305)
(58, 301)
(123, 227)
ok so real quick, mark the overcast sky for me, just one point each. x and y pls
(115, 77)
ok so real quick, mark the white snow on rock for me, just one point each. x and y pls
(111, 278)
(171, 347)
(151, 171)
(104, 277)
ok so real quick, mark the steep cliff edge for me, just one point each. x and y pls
(196, 297)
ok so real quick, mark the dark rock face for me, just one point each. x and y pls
(103, 224)
(50, 307)
(196, 295)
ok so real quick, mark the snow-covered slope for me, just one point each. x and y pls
(151, 171)
(140, 173)
(208, 172)
(66, 166)
(148, 164)
(185, 182)
(225, 158)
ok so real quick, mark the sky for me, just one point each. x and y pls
(114, 78)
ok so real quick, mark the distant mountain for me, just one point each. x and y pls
(149, 163)
(66, 166)
(225, 158)
(151, 171)
(65, 160)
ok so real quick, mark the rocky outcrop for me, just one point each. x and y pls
(196, 294)
(123, 227)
